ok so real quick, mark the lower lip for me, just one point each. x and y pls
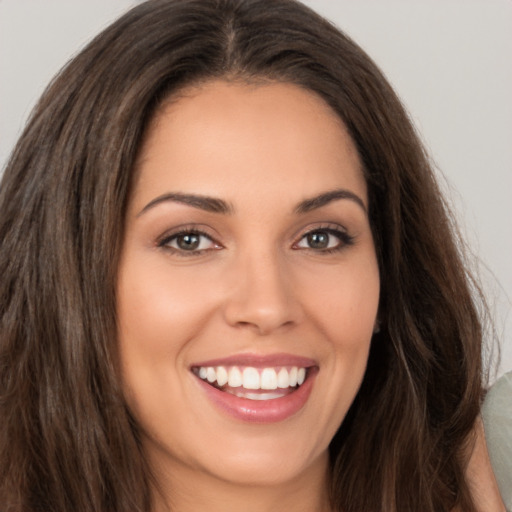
(260, 411)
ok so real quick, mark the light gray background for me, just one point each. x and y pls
(450, 61)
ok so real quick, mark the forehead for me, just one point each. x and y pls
(225, 139)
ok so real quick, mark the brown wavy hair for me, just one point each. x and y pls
(67, 439)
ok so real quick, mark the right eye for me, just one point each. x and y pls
(192, 242)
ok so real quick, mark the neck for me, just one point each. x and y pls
(188, 490)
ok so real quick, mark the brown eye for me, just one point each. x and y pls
(188, 241)
(325, 240)
(318, 240)
(191, 242)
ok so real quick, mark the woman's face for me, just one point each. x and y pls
(248, 283)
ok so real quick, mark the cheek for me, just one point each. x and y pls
(160, 308)
(343, 301)
(344, 309)
(159, 312)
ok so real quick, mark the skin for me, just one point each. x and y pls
(261, 149)
(256, 286)
(480, 475)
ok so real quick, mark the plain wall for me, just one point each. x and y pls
(450, 61)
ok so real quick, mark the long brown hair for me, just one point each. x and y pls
(67, 440)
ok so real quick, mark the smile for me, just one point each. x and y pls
(252, 383)
(256, 388)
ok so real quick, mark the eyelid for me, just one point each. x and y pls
(333, 229)
(163, 241)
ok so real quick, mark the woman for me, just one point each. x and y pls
(229, 280)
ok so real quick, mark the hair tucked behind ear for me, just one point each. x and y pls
(67, 441)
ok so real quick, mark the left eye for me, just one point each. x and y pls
(189, 242)
(322, 239)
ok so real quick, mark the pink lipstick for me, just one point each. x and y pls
(257, 388)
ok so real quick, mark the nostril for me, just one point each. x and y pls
(260, 297)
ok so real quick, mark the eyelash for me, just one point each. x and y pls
(345, 240)
(167, 239)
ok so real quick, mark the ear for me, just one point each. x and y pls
(376, 326)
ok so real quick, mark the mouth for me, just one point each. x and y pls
(262, 389)
(268, 383)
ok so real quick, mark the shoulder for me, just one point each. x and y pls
(497, 416)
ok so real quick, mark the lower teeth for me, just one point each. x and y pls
(241, 392)
(256, 396)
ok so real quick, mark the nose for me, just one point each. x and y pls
(261, 295)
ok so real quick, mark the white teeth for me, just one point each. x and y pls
(260, 396)
(293, 376)
(269, 378)
(211, 375)
(253, 378)
(222, 375)
(235, 378)
(283, 380)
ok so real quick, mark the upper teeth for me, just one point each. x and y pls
(253, 378)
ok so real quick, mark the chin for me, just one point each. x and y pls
(264, 469)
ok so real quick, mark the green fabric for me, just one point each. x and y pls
(497, 416)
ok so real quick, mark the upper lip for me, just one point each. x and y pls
(259, 361)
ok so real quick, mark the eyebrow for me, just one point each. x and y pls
(327, 197)
(215, 205)
(206, 203)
